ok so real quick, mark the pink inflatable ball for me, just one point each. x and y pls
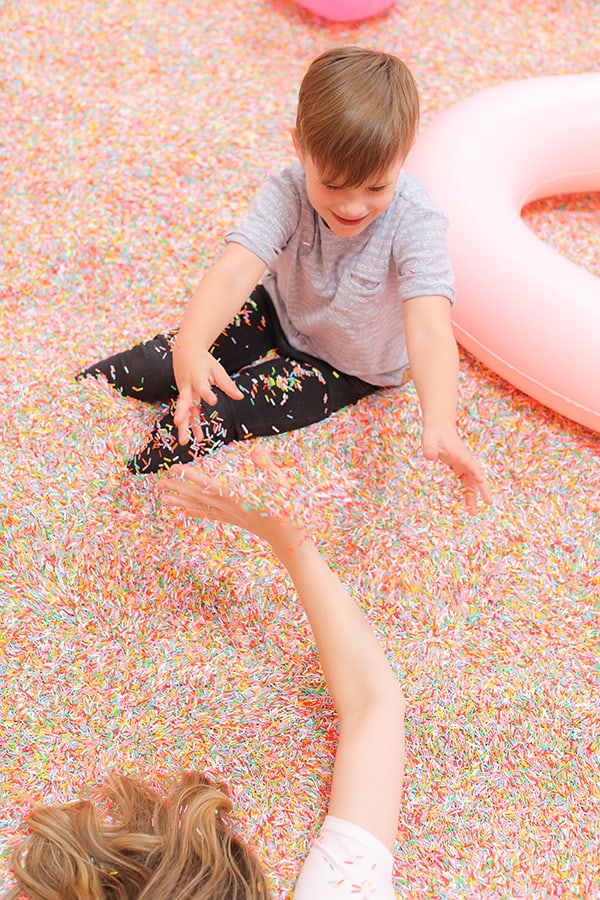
(345, 10)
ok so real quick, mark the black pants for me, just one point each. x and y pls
(282, 392)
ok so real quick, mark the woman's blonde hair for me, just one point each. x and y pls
(358, 112)
(131, 842)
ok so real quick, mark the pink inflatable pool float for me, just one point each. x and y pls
(524, 310)
(345, 10)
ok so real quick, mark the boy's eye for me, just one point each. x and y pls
(374, 189)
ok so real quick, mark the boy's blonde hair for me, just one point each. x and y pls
(132, 843)
(358, 112)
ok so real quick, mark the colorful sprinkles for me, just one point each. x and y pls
(133, 136)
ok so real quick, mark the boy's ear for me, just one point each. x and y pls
(297, 146)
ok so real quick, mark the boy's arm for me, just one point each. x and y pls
(433, 357)
(368, 770)
(220, 295)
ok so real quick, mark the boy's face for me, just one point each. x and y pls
(348, 211)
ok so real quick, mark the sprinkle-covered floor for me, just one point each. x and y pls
(133, 135)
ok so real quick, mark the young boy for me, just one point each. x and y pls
(355, 295)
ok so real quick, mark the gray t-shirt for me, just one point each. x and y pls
(339, 298)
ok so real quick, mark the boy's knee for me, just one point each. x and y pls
(145, 371)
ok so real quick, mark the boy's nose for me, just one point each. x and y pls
(352, 210)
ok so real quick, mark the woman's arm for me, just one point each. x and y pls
(367, 777)
(369, 764)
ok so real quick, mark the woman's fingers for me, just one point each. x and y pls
(190, 482)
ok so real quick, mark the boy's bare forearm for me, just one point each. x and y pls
(211, 308)
(434, 368)
(433, 357)
(220, 296)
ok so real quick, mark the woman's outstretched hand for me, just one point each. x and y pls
(190, 489)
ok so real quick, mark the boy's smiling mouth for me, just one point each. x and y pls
(343, 221)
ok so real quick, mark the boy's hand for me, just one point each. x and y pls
(196, 374)
(451, 450)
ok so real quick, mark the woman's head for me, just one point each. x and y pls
(358, 112)
(129, 841)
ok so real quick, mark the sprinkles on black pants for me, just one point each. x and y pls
(283, 389)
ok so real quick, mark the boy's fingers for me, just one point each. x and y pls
(474, 484)
(206, 393)
(479, 483)
(227, 385)
(484, 489)
(469, 488)
(181, 416)
(204, 388)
